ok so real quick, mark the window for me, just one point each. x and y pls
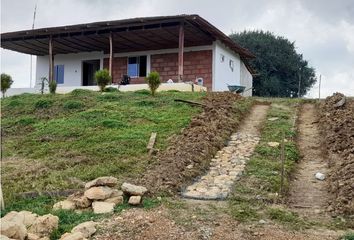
(59, 74)
(137, 66)
(231, 63)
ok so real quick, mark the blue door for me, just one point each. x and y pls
(59, 74)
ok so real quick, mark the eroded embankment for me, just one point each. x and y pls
(197, 143)
(337, 123)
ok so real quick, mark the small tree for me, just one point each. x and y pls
(153, 80)
(103, 78)
(52, 87)
(6, 82)
(43, 83)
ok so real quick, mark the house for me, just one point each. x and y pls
(184, 48)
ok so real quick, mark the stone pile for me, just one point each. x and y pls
(27, 225)
(101, 195)
(83, 231)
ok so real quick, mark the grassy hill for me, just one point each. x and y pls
(50, 139)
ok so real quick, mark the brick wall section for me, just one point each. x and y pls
(196, 64)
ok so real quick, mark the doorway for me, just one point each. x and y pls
(88, 72)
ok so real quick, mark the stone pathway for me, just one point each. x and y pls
(228, 164)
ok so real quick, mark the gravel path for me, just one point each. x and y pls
(229, 163)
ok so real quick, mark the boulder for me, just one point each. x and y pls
(115, 200)
(133, 190)
(81, 202)
(102, 207)
(134, 200)
(3, 237)
(86, 228)
(98, 193)
(116, 193)
(28, 218)
(14, 216)
(44, 225)
(32, 236)
(13, 229)
(66, 205)
(102, 181)
(73, 236)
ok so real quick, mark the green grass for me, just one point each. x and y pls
(260, 185)
(51, 138)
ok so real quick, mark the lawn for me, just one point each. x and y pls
(50, 141)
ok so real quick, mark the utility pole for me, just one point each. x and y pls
(34, 18)
(319, 89)
(298, 90)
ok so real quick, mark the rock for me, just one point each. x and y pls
(73, 236)
(273, 144)
(115, 200)
(3, 237)
(320, 176)
(134, 200)
(102, 181)
(102, 207)
(262, 221)
(273, 119)
(190, 166)
(134, 190)
(98, 193)
(14, 216)
(28, 218)
(81, 201)
(32, 236)
(86, 228)
(44, 225)
(66, 205)
(13, 229)
(116, 193)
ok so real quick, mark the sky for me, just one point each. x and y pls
(323, 30)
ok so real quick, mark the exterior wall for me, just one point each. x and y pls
(197, 63)
(72, 66)
(246, 80)
(222, 73)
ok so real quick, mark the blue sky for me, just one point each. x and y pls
(322, 30)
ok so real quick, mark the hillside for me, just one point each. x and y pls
(50, 141)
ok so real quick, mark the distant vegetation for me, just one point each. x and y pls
(279, 67)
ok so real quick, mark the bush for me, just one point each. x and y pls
(111, 89)
(103, 78)
(142, 92)
(110, 97)
(6, 82)
(73, 104)
(25, 121)
(153, 80)
(52, 87)
(43, 103)
(81, 92)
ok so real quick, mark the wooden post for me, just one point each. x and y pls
(111, 55)
(282, 158)
(180, 52)
(51, 60)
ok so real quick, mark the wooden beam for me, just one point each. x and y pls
(51, 58)
(111, 55)
(180, 52)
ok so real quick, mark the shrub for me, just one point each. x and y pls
(71, 104)
(6, 82)
(110, 97)
(112, 123)
(43, 83)
(142, 92)
(26, 121)
(43, 103)
(103, 78)
(52, 87)
(81, 92)
(153, 80)
(111, 89)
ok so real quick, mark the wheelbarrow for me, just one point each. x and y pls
(236, 88)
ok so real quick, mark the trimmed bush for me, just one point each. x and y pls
(6, 82)
(71, 104)
(43, 103)
(153, 80)
(103, 78)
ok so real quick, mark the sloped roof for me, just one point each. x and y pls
(135, 34)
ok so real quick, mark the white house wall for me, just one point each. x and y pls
(246, 80)
(223, 75)
(72, 66)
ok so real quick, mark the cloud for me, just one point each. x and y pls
(323, 30)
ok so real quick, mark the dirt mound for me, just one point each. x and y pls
(189, 153)
(337, 122)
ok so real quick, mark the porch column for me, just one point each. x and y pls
(111, 55)
(180, 52)
(51, 60)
